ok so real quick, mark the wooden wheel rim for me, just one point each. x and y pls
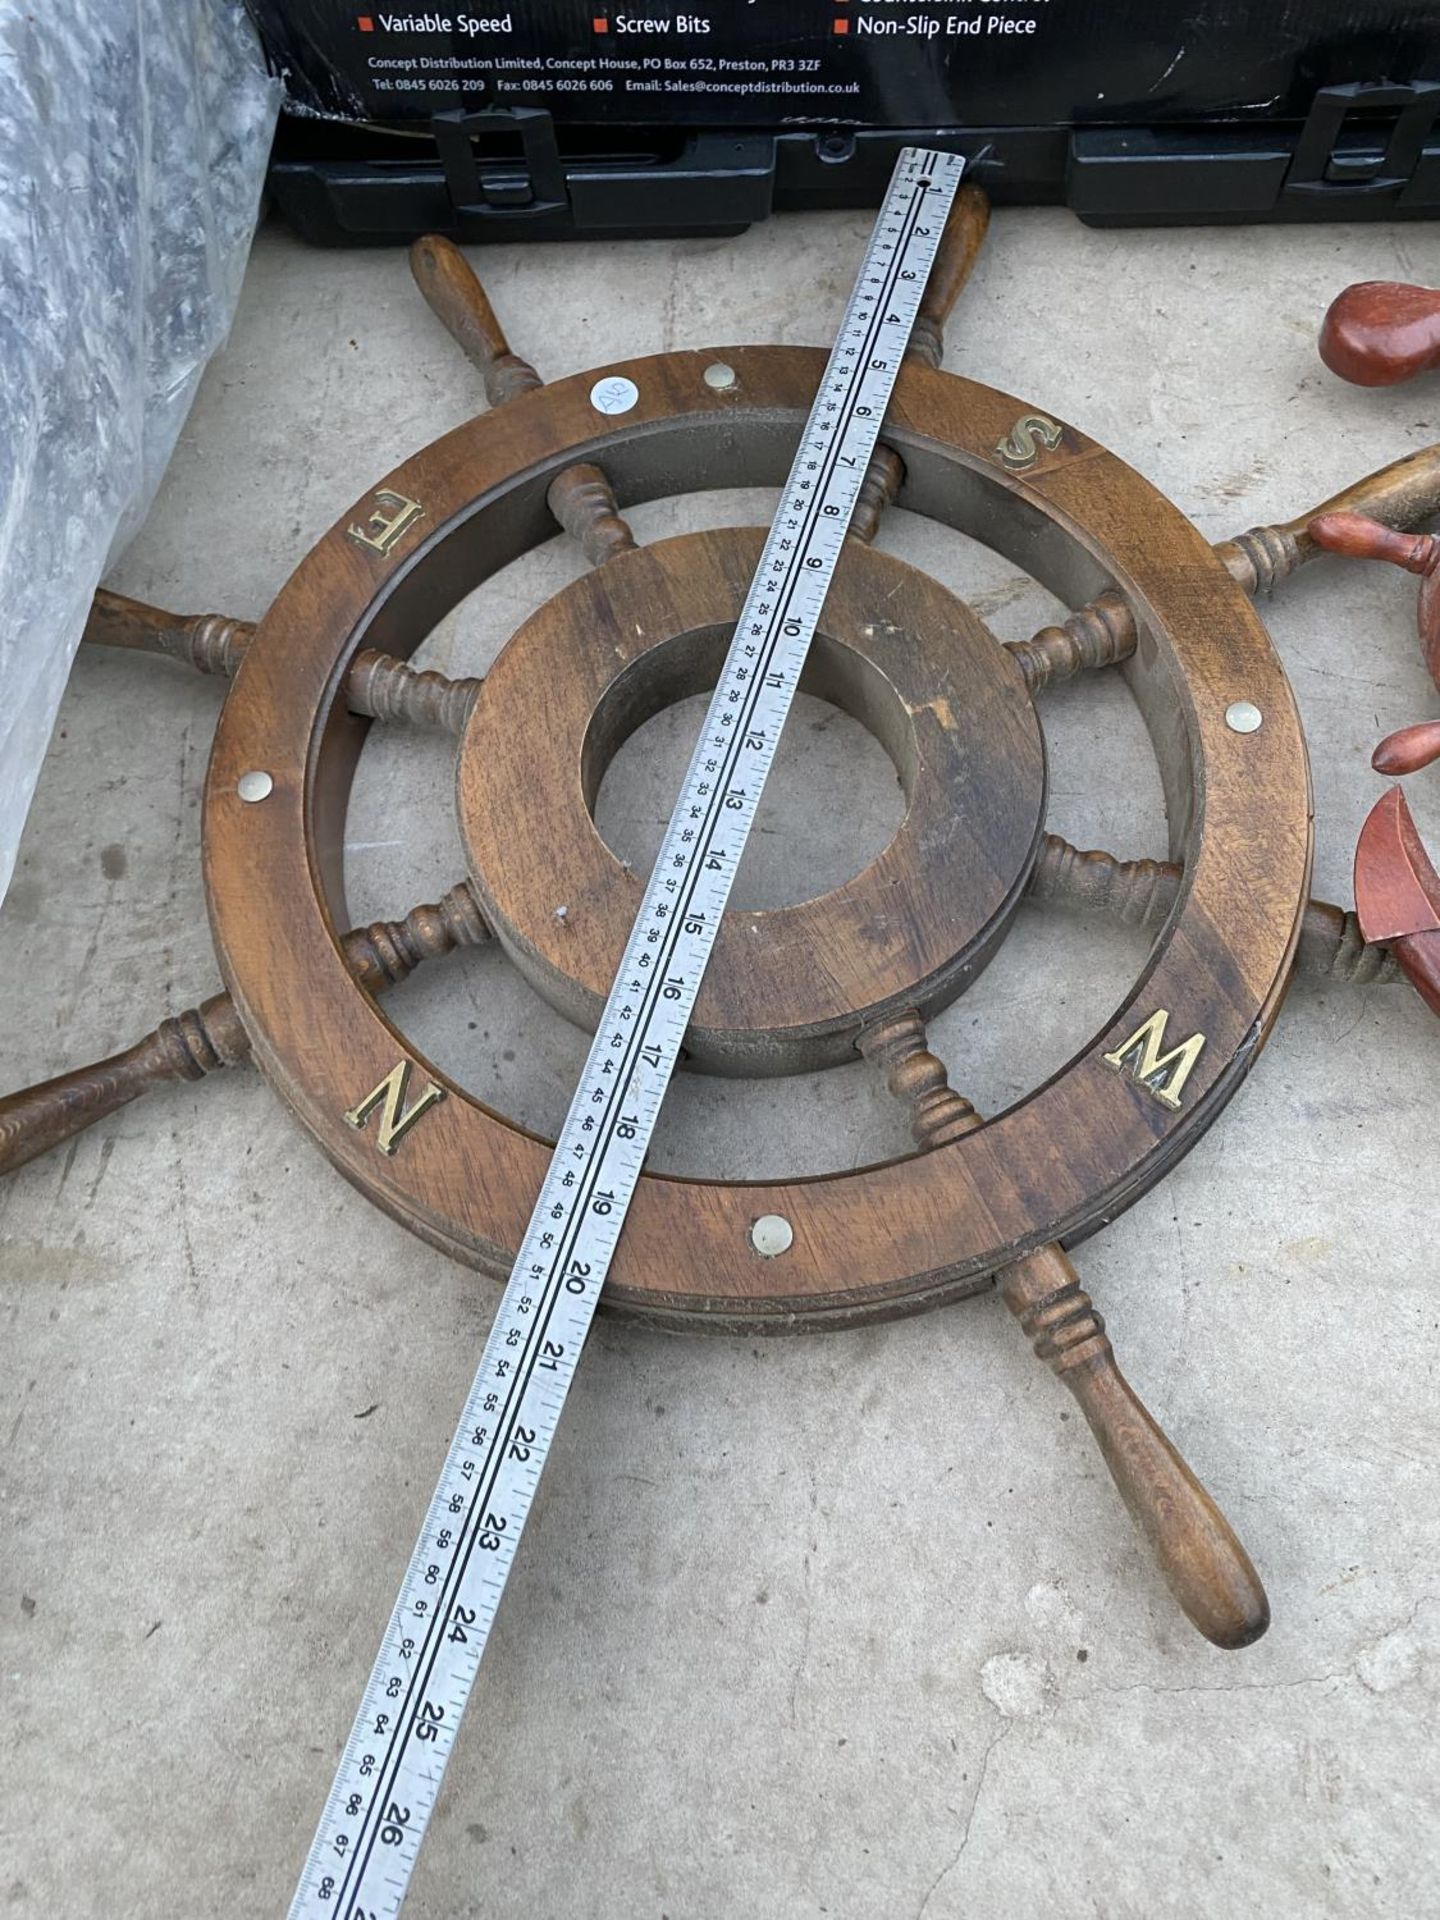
(880, 1240)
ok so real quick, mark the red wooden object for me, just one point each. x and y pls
(1359, 538)
(1380, 332)
(1397, 893)
(1408, 750)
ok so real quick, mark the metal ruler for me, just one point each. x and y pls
(389, 1775)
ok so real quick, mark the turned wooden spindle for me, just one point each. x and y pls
(1333, 947)
(581, 498)
(878, 489)
(959, 249)
(582, 501)
(203, 1039)
(377, 686)
(1141, 893)
(1356, 536)
(1138, 893)
(1204, 1564)
(914, 1074)
(1380, 332)
(1359, 537)
(384, 688)
(1404, 494)
(1098, 635)
(388, 951)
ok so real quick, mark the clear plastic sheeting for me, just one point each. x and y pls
(133, 142)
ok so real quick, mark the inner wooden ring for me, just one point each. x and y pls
(788, 989)
(875, 1241)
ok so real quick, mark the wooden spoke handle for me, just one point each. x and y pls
(377, 685)
(1204, 1564)
(209, 642)
(1142, 893)
(959, 249)
(212, 1035)
(582, 500)
(1404, 494)
(1380, 332)
(186, 1047)
(581, 497)
(457, 299)
(384, 688)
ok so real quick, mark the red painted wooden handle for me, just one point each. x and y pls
(1380, 332)
(1358, 537)
(1408, 750)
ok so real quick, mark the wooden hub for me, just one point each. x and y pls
(873, 1241)
(791, 988)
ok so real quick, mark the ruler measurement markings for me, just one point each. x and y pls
(434, 1635)
(439, 1612)
(792, 580)
(655, 1005)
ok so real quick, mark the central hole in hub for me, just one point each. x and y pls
(837, 790)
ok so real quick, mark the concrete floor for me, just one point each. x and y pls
(850, 1626)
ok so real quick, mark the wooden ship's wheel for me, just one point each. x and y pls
(858, 968)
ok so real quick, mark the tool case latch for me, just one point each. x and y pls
(1350, 144)
(532, 177)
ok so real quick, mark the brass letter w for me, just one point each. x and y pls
(1161, 1074)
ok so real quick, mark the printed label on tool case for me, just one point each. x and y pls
(913, 63)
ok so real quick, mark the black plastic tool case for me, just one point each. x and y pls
(577, 117)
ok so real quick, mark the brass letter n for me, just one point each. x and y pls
(395, 1119)
(1161, 1074)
